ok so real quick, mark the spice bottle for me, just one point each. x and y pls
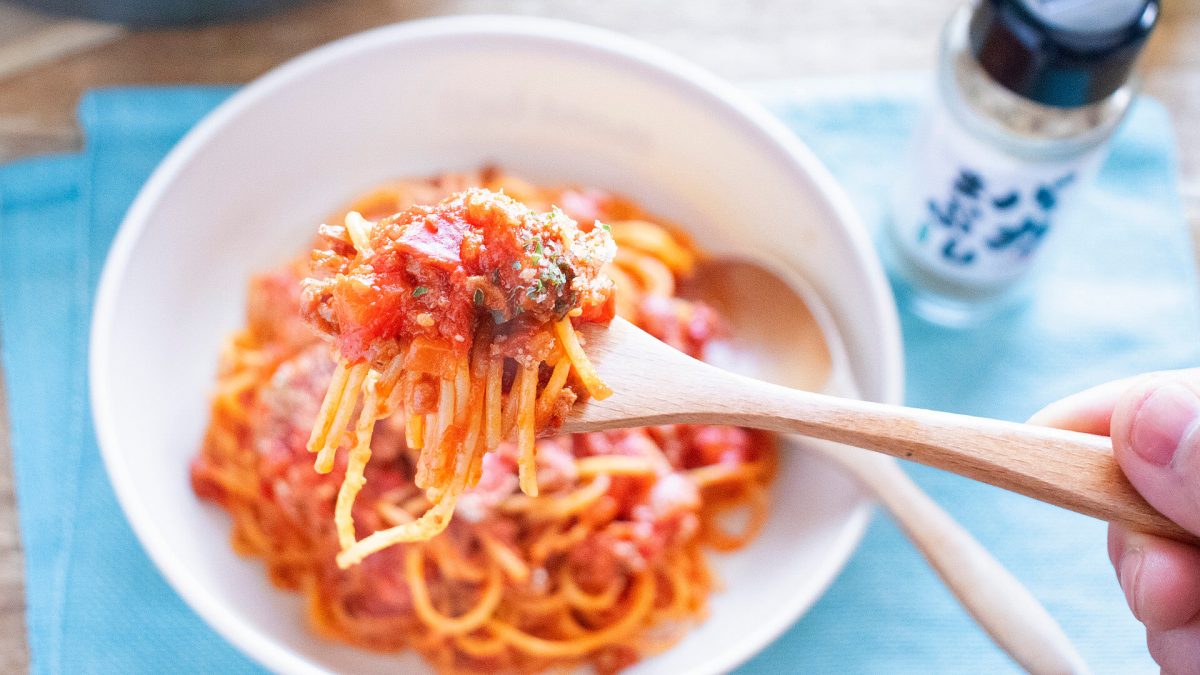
(1029, 92)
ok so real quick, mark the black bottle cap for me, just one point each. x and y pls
(1063, 53)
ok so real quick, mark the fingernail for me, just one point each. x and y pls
(1128, 571)
(1162, 423)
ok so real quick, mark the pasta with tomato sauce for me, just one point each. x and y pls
(450, 304)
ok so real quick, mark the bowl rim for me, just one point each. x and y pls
(648, 60)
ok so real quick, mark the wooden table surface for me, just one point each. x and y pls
(47, 62)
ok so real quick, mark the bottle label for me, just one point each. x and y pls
(974, 214)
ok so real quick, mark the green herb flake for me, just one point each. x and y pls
(554, 275)
(606, 226)
(419, 291)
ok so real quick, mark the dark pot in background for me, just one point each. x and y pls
(159, 12)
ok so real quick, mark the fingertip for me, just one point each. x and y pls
(1160, 578)
(1155, 430)
(1156, 418)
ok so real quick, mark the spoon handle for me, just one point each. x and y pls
(1065, 468)
(1068, 469)
(993, 596)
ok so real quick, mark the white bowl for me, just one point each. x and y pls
(550, 101)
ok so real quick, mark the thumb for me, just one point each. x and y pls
(1156, 438)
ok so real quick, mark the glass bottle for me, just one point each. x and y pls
(1029, 92)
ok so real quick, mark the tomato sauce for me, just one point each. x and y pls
(435, 272)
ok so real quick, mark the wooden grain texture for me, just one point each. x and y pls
(53, 42)
(655, 384)
(744, 41)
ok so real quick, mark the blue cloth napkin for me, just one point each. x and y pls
(1122, 300)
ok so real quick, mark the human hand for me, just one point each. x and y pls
(1154, 422)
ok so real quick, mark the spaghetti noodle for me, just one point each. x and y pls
(428, 308)
(604, 566)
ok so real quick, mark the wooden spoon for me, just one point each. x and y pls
(784, 334)
(655, 384)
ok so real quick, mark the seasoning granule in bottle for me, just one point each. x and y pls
(1029, 92)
